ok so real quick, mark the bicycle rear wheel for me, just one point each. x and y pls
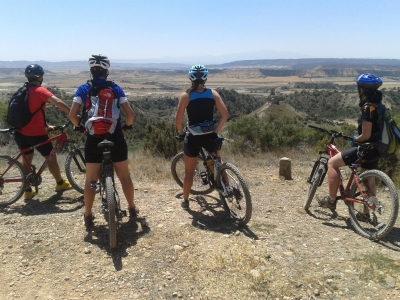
(201, 184)
(314, 183)
(112, 218)
(10, 192)
(75, 169)
(381, 192)
(238, 202)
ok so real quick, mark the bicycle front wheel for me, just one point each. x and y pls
(112, 218)
(201, 184)
(314, 183)
(237, 202)
(376, 223)
(75, 169)
(10, 192)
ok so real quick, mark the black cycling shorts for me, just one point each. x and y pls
(25, 141)
(193, 143)
(119, 152)
(368, 162)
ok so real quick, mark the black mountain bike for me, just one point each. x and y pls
(110, 200)
(210, 174)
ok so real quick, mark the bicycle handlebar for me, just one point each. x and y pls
(13, 129)
(332, 133)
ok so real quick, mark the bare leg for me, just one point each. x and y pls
(334, 164)
(122, 171)
(92, 174)
(54, 168)
(190, 166)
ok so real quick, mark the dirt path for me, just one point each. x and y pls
(283, 253)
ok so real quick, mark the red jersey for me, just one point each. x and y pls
(37, 126)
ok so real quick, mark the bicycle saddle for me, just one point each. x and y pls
(105, 143)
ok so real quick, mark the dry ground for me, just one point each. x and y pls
(283, 253)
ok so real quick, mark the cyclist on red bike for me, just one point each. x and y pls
(99, 65)
(199, 103)
(368, 132)
(36, 130)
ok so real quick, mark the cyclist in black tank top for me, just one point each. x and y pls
(367, 85)
(199, 103)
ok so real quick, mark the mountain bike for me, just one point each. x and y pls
(110, 200)
(370, 190)
(211, 175)
(14, 179)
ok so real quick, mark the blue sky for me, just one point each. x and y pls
(204, 31)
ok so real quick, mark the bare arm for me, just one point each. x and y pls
(220, 105)
(183, 103)
(366, 131)
(128, 112)
(59, 103)
(73, 113)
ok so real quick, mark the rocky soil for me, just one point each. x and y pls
(283, 253)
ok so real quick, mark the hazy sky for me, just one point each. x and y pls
(201, 30)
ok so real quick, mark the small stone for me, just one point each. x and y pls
(87, 250)
(178, 248)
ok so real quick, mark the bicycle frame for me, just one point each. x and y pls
(61, 139)
(204, 153)
(332, 150)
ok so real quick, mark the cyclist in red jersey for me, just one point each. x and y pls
(36, 130)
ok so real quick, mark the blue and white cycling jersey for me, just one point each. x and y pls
(81, 92)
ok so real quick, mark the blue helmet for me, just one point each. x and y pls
(369, 81)
(198, 72)
(34, 71)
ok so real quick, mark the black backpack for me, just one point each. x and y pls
(18, 114)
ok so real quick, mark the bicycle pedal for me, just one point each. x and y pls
(123, 213)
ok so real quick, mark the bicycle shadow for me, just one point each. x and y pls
(127, 236)
(213, 217)
(57, 203)
(392, 241)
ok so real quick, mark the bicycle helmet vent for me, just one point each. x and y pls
(98, 60)
(198, 72)
(369, 81)
(34, 71)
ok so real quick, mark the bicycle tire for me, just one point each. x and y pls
(112, 220)
(233, 203)
(14, 190)
(199, 186)
(383, 217)
(75, 169)
(315, 180)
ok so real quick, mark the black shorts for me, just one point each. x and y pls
(119, 152)
(368, 162)
(193, 143)
(24, 141)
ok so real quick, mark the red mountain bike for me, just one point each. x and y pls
(14, 179)
(370, 190)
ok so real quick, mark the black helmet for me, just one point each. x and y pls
(34, 71)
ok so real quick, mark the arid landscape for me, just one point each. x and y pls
(283, 253)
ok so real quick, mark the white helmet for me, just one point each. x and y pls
(98, 60)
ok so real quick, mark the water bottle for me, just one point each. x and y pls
(210, 165)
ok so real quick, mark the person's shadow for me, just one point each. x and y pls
(391, 241)
(213, 217)
(40, 205)
(128, 234)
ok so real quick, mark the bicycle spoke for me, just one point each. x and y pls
(237, 200)
(374, 223)
(10, 191)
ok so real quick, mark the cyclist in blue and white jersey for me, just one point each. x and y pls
(199, 103)
(99, 65)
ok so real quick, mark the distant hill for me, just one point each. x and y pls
(269, 67)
